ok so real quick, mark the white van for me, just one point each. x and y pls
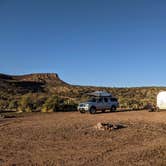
(100, 101)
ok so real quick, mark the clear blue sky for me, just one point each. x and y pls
(115, 43)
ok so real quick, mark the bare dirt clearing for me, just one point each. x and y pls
(71, 139)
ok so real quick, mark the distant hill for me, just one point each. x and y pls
(41, 89)
(30, 82)
(37, 77)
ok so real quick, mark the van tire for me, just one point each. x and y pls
(113, 108)
(92, 110)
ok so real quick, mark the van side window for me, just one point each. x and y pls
(105, 100)
(93, 100)
(100, 100)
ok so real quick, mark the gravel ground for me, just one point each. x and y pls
(70, 139)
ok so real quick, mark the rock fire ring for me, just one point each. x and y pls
(109, 126)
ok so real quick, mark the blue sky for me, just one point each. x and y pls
(115, 43)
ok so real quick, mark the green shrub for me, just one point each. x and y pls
(3, 105)
(13, 105)
(51, 104)
(26, 103)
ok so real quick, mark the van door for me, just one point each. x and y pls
(106, 103)
(99, 104)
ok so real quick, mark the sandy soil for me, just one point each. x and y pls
(70, 139)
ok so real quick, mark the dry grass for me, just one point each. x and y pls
(70, 139)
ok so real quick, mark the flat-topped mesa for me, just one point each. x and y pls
(35, 77)
(40, 77)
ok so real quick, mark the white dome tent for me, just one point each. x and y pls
(161, 100)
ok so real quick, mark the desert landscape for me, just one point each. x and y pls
(82, 83)
(70, 138)
(47, 92)
(40, 125)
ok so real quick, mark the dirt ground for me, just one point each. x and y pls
(70, 139)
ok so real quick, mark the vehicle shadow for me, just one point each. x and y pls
(117, 111)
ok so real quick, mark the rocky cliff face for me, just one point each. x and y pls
(52, 78)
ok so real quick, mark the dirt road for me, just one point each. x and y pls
(69, 139)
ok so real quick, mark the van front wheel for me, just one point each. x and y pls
(92, 110)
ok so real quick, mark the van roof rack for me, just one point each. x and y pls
(100, 94)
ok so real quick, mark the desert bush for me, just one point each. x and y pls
(13, 105)
(38, 100)
(26, 104)
(3, 105)
(32, 96)
(51, 104)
